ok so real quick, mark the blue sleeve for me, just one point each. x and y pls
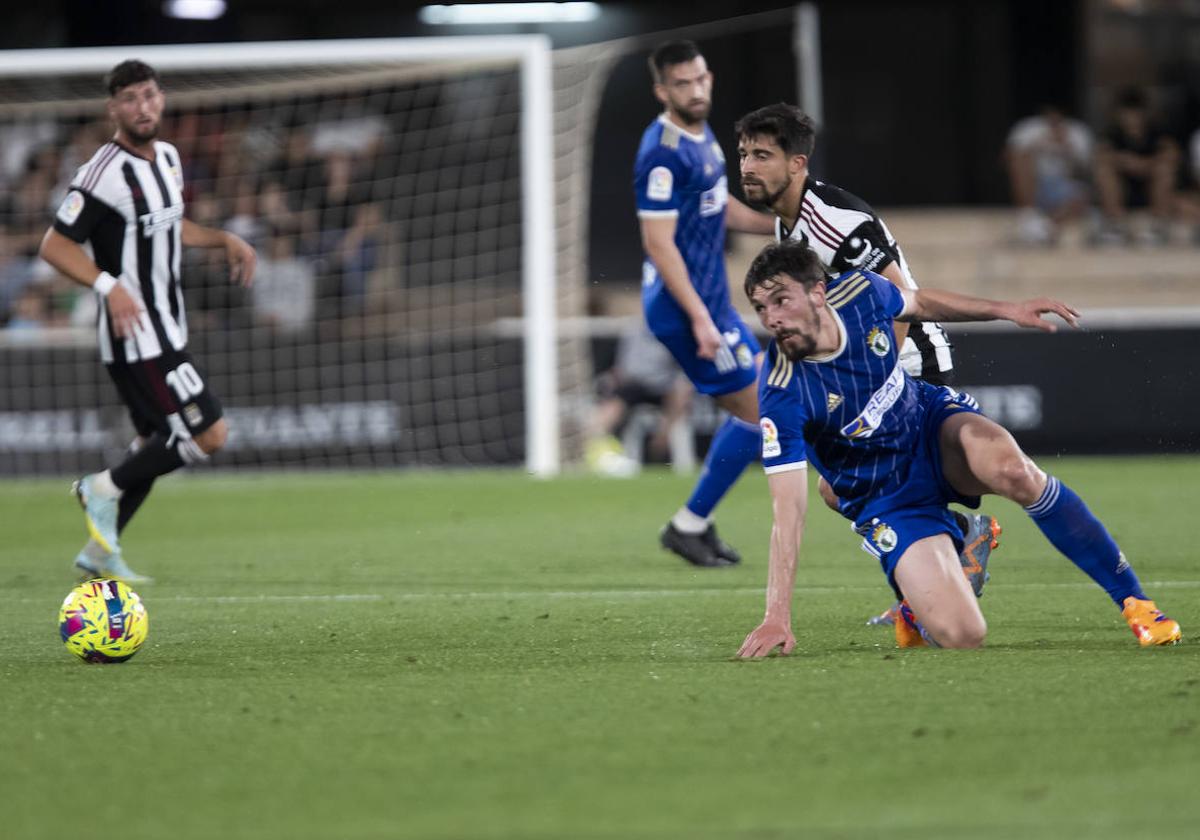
(889, 296)
(782, 416)
(658, 180)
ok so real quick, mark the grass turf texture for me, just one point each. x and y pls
(481, 655)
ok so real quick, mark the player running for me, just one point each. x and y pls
(774, 146)
(897, 450)
(127, 202)
(683, 206)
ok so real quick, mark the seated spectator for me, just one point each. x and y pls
(1136, 166)
(1048, 158)
(643, 374)
(284, 292)
(349, 239)
(30, 313)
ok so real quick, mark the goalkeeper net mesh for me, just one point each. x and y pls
(383, 328)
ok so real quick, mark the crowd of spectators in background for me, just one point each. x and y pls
(301, 194)
(1131, 183)
(307, 196)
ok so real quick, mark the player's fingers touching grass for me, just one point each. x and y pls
(766, 638)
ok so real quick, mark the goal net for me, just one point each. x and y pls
(401, 197)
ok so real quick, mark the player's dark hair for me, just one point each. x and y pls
(790, 257)
(129, 72)
(669, 53)
(792, 130)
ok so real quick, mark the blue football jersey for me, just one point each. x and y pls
(854, 414)
(683, 175)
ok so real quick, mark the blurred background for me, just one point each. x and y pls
(385, 200)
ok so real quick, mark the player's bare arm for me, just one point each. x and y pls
(241, 256)
(658, 238)
(72, 260)
(789, 503)
(938, 305)
(743, 219)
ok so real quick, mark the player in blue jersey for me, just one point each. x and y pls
(683, 208)
(897, 450)
(774, 145)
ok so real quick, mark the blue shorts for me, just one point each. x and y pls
(734, 368)
(890, 524)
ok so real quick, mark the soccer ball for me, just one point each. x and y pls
(103, 621)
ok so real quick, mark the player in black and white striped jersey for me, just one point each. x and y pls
(774, 145)
(127, 203)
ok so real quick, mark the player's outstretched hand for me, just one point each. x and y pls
(1028, 313)
(766, 637)
(125, 311)
(242, 259)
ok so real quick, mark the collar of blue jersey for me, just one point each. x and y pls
(695, 138)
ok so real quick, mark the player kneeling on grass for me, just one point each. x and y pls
(897, 451)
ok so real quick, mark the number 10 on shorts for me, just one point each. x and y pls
(185, 381)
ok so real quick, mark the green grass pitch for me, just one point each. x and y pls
(482, 655)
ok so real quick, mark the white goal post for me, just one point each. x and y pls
(536, 156)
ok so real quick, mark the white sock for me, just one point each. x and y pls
(102, 483)
(689, 523)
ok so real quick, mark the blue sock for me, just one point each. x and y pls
(1070, 526)
(735, 445)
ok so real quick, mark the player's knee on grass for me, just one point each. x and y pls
(966, 631)
(214, 437)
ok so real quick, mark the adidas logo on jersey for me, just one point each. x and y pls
(833, 401)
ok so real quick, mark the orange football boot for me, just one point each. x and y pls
(1148, 623)
(908, 632)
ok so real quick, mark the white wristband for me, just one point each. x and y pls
(105, 283)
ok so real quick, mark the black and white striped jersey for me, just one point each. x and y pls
(130, 210)
(846, 235)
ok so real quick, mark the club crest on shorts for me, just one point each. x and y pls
(879, 342)
(884, 537)
(770, 438)
(192, 415)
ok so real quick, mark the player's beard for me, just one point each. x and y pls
(797, 344)
(694, 113)
(142, 136)
(768, 198)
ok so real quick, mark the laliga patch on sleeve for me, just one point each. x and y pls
(659, 186)
(72, 206)
(770, 438)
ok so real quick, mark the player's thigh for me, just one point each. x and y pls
(980, 456)
(742, 403)
(143, 409)
(931, 578)
(174, 390)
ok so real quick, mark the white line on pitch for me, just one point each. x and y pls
(585, 594)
